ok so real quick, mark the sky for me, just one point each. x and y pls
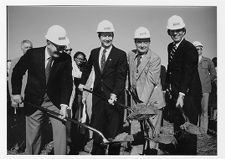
(80, 22)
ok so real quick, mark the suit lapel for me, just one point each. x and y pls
(143, 63)
(178, 53)
(41, 60)
(97, 60)
(133, 66)
(180, 46)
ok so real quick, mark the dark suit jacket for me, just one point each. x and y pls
(182, 72)
(163, 77)
(59, 86)
(113, 77)
(24, 80)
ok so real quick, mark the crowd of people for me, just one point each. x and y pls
(93, 91)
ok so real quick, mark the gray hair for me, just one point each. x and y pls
(27, 41)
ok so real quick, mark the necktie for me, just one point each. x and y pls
(172, 52)
(48, 68)
(103, 59)
(138, 60)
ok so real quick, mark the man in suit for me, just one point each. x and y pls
(144, 69)
(49, 85)
(25, 46)
(183, 83)
(207, 75)
(110, 66)
(15, 107)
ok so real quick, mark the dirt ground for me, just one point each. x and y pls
(206, 145)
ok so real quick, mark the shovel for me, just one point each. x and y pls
(123, 137)
(189, 127)
(56, 115)
(133, 92)
(164, 139)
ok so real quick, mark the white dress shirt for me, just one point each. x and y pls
(108, 50)
(199, 58)
(177, 44)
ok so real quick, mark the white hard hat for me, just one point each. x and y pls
(141, 33)
(105, 26)
(175, 22)
(197, 43)
(57, 35)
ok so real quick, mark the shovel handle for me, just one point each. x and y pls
(183, 114)
(55, 114)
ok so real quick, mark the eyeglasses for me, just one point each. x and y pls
(59, 47)
(178, 31)
(28, 47)
(199, 48)
(80, 59)
(68, 49)
(105, 34)
(147, 40)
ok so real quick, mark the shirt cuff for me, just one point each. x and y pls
(64, 105)
(181, 94)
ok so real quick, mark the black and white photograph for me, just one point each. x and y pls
(131, 80)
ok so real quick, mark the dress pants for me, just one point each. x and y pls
(187, 143)
(136, 128)
(204, 112)
(34, 123)
(105, 118)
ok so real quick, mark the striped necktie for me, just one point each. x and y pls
(172, 52)
(103, 60)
